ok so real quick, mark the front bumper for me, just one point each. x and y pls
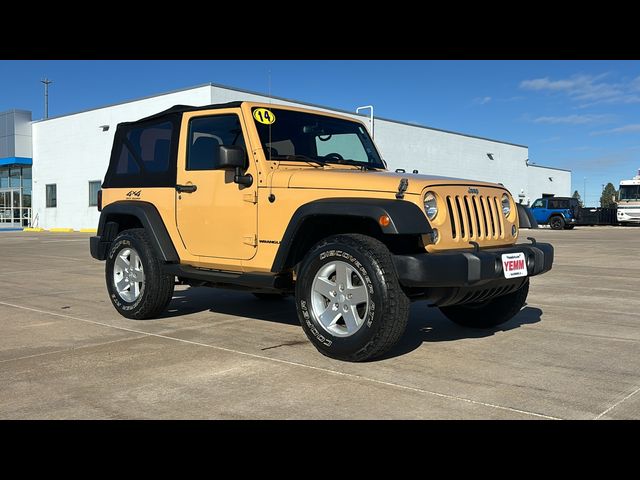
(478, 268)
(626, 217)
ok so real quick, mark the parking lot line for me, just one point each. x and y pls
(619, 402)
(93, 345)
(586, 309)
(287, 362)
(65, 240)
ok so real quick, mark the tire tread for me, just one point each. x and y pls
(395, 314)
(158, 285)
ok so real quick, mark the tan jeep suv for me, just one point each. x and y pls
(278, 200)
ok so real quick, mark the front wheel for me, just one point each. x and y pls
(348, 298)
(137, 286)
(488, 314)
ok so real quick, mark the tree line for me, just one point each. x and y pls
(607, 196)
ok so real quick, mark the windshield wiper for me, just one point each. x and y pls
(298, 157)
(349, 161)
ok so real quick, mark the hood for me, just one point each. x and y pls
(356, 179)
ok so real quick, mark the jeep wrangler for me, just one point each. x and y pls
(278, 201)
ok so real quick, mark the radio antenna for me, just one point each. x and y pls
(269, 93)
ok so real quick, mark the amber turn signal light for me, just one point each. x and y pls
(384, 220)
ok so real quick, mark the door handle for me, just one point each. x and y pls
(186, 188)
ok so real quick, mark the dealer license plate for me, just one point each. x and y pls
(514, 265)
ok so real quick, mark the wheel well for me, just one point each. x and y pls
(117, 222)
(317, 227)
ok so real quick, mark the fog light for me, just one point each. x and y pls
(514, 231)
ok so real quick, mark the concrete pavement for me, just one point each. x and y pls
(571, 353)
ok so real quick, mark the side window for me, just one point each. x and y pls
(558, 204)
(206, 135)
(127, 164)
(146, 148)
(538, 203)
(348, 144)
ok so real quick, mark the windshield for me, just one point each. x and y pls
(629, 192)
(299, 136)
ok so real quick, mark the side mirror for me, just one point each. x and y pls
(235, 158)
(232, 157)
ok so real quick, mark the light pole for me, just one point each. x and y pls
(46, 82)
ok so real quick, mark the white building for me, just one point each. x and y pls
(71, 154)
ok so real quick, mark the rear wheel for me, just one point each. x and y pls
(348, 298)
(556, 223)
(137, 286)
(490, 313)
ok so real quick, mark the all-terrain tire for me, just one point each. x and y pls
(155, 291)
(488, 314)
(367, 262)
(556, 222)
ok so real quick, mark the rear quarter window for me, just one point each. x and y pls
(144, 155)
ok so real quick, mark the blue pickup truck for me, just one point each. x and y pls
(558, 212)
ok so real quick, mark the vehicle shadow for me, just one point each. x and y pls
(430, 325)
(230, 302)
(425, 324)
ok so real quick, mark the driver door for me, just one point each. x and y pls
(219, 217)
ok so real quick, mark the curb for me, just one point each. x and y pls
(59, 230)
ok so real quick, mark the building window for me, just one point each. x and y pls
(94, 187)
(52, 197)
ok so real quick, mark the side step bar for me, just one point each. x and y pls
(218, 278)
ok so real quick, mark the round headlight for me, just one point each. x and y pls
(430, 205)
(506, 205)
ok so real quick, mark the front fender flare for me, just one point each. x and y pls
(406, 218)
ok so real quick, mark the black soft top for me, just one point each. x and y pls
(132, 169)
(181, 109)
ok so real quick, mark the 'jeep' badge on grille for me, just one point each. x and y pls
(473, 191)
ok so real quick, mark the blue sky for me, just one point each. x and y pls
(580, 115)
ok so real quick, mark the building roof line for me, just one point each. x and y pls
(15, 110)
(309, 104)
(115, 104)
(550, 168)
